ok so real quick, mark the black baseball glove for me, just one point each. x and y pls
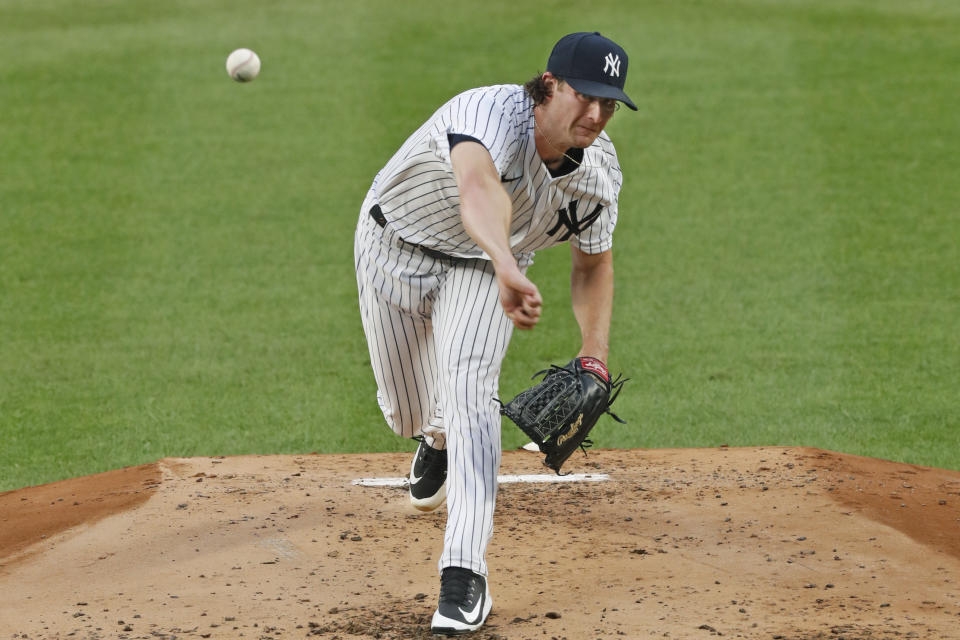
(558, 412)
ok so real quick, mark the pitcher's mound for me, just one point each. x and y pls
(693, 543)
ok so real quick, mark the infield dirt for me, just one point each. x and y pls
(770, 543)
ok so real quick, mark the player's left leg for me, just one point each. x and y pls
(471, 333)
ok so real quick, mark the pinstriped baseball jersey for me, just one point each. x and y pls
(418, 194)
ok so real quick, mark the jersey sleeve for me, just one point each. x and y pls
(483, 115)
(598, 236)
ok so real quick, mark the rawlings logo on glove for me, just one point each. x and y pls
(559, 412)
(574, 428)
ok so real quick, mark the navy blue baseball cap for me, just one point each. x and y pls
(591, 64)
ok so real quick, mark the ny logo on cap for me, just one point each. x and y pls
(612, 65)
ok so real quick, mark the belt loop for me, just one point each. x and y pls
(377, 214)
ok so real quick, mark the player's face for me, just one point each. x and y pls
(578, 119)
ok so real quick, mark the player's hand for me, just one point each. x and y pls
(519, 298)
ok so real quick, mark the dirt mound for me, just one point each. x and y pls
(744, 543)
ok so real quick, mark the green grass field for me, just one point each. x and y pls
(176, 271)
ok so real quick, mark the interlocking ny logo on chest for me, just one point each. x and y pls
(567, 219)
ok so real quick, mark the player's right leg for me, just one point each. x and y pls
(395, 284)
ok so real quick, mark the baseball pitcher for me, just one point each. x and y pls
(444, 239)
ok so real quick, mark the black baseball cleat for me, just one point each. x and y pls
(464, 602)
(428, 477)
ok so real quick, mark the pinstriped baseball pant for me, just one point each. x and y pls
(437, 337)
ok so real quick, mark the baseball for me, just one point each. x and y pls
(243, 65)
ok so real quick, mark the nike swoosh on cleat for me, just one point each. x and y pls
(476, 613)
(414, 479)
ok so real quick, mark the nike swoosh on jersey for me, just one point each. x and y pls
(506, 179)
(473, 617)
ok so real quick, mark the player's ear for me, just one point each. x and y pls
(550, 83)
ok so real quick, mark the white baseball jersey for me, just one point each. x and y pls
(434, 325)
(418, 193)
